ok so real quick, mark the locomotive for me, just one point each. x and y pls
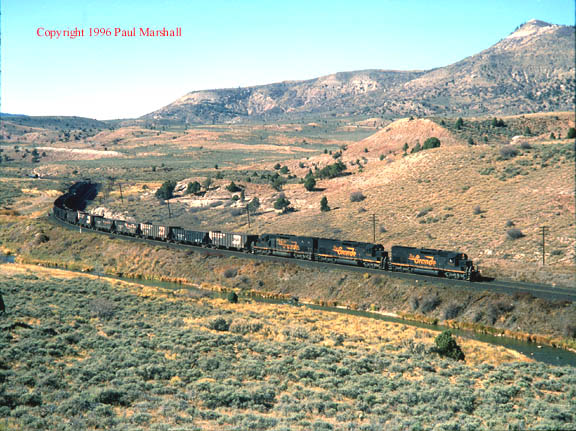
(450, 264)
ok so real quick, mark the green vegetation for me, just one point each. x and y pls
(331, 171)
(324, 204)
(571, 133)
(432, 142)
(309, 183)
(109, 356)
(282, 204)
(166, 191)
(447, 346)
(193, 187)
(232, 187)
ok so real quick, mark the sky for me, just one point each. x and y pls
(231, 43)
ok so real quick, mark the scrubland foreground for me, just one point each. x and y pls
(82, 353)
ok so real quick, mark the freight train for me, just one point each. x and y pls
(450, 264)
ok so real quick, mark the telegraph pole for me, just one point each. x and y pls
(545, 230)
(248, 214)
(374, 228)
(169, 212)
(121, 196)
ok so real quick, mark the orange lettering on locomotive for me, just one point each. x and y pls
(426, 260)
(341, 251)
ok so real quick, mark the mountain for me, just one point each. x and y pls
(531, 70)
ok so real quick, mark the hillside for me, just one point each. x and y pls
(531, 70)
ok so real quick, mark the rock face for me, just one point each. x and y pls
(531, 70)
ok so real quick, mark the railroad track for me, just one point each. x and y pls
(510, 287)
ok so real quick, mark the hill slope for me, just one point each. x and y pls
(531, 70)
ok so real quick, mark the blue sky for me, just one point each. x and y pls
(231, 43)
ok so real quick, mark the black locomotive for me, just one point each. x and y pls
(450, 264)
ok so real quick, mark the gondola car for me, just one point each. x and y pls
(301, 247)
(127, 228)
(104, 224)
(352, 253)
(451, 264)
(85, 219)
(192, 237)
(231, 240)
(155, 231)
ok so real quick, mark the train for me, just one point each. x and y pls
(441, 263)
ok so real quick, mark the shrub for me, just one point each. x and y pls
(193, 187)
(102, 308)
(514, 234)
(310, 183)
(525, 146)
(432, 142)
(508, 151)
(218, 324)
(452, 311)
(382, 229)
(232, 297)
(241, 326)
(424, 211)
(357, 197)
(430, 303)
(571, 133)
(284, 170)
(232, 187)
(331, 171)
(282, 203)
(166, 190)
(230, 272)
(253, 205)
(324, 204)
(447, 346)
(509, 223)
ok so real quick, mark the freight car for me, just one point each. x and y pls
(127, 228)
(155, 231)
(191, 237)
(450, 264)
(231, 240)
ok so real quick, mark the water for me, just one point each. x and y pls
(546, 354)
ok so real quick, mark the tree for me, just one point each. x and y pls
(253, 205)
(277, 182)
(193, 187)
(166, 190)
(277, 166)
(459, 123)
(232, 297)
(571, 133)
(324, 204)
(447, 346)
(309, 183)
(416, 148)
(282, 204)
(432, 142)
(405, 147)
(207, 183)
(471, 141)
(232, 187)
(284, 170)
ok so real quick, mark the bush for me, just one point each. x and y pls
(357, 197)
(324, 204)
(509, 223)
(514, 234)
(193, 187)
(218, 324)
(102, 308)
(478, 210)
(331, 171)
(508, 151)
(232, 187)
(310, 183)
(447, 346)
(571, 133)
(230, 272)
(432, 142)
(424, 211)
(282, 204)
(253, 205)
(166, 190)
(430, 303)
(232, 297)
